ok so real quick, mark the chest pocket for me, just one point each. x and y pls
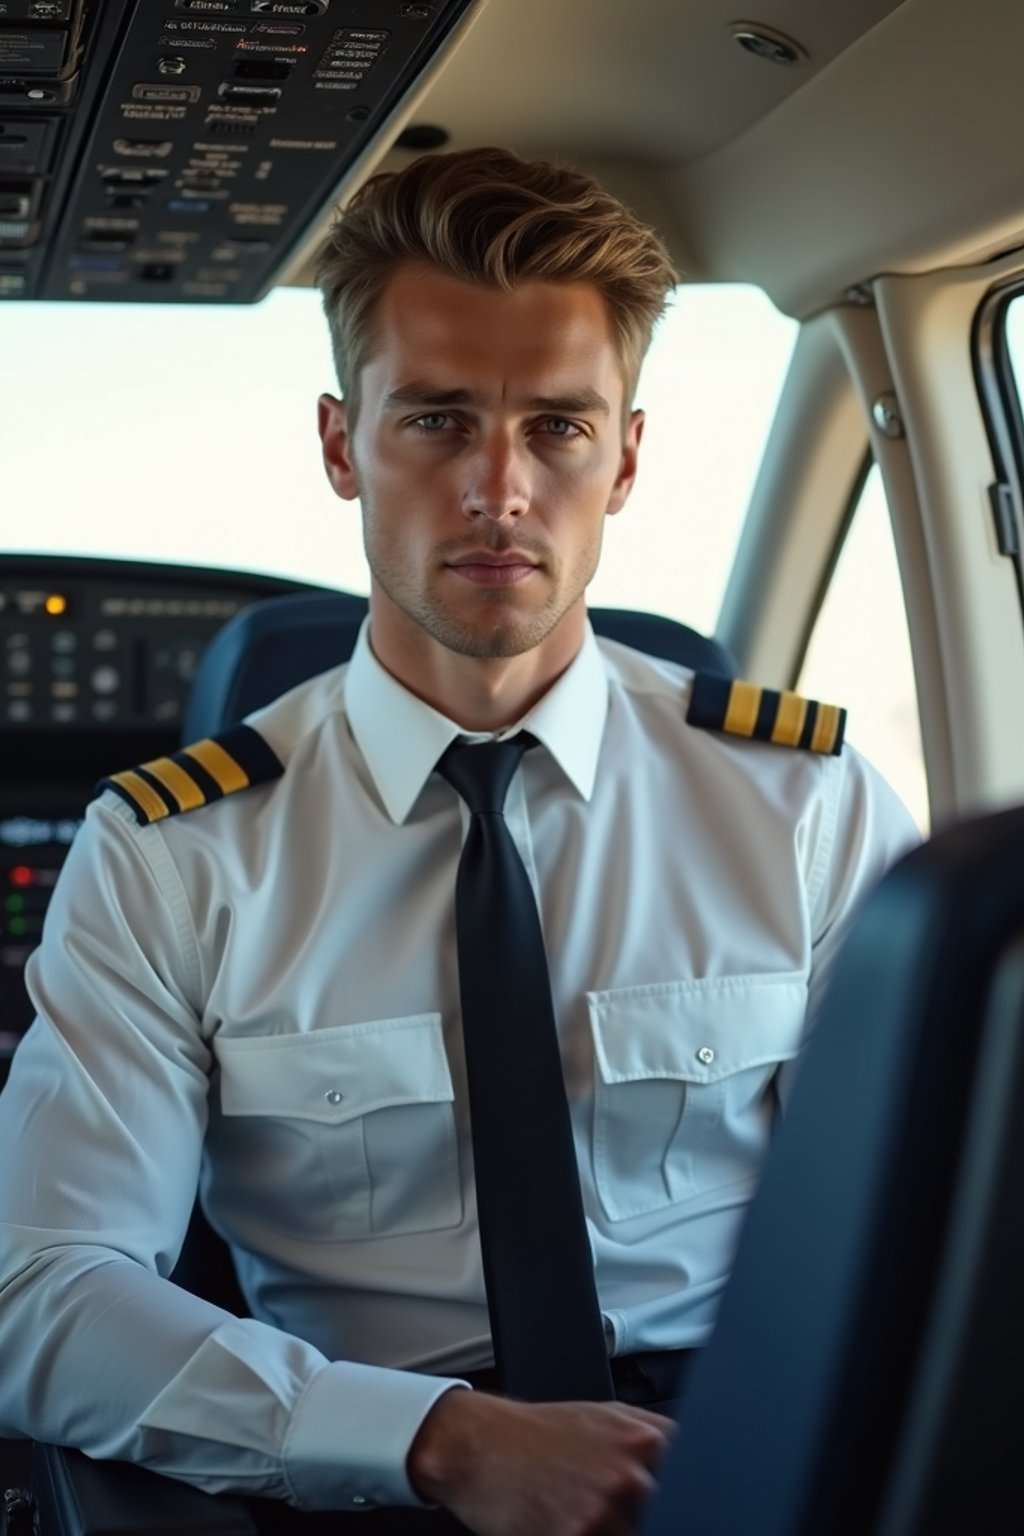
(683, 1103)
(342, 1133)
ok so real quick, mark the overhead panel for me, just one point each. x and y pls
(176, 150)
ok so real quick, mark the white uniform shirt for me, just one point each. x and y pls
(277, 971)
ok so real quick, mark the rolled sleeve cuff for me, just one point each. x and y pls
(350, 1435)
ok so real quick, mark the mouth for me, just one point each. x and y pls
(489, 570)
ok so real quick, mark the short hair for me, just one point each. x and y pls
(487, 216)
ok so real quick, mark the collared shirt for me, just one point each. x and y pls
(275, 975)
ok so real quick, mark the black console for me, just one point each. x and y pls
(96, 660)
(179, 150)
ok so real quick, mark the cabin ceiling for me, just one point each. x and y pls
(660, 81)
(891, 147)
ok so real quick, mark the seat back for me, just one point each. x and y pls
(864, 1377)
(275, 644)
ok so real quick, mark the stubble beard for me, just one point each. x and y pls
(504, 627)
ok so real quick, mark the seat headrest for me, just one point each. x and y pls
(277, 643)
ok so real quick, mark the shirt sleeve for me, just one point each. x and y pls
(101, 1131)
(859, 828)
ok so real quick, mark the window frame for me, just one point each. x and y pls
(963, 598)
(999, 391)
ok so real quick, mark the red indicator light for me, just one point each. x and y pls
(21, 875)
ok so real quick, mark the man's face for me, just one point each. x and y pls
(487, 451)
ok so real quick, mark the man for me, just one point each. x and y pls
(277, 971)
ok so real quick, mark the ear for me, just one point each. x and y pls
(627, 464)
(332, 423)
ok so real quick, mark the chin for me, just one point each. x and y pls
(493, 636)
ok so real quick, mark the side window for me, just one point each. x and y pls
(1015, 342)
(859, 654)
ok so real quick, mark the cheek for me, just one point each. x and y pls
(558, 479)
(402, 468)
(581, 481)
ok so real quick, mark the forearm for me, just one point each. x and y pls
(102, 1354)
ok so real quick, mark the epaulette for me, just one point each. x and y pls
(761, 714)
(237, 758)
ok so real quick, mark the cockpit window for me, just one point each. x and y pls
(188, 434)
(859, 652)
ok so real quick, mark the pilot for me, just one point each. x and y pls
(322, 965)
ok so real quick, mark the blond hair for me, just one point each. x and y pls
(486, 216)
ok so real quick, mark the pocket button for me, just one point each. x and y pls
(706, 1055)
(333, 1096)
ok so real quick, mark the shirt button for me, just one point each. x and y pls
(334, 1097)
(357, 1498)
(706, 1055)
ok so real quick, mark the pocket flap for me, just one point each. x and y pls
(333, 1075)
(697, 1031)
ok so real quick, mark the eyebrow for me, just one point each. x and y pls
(575, 403)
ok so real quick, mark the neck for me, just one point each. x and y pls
(480, 693)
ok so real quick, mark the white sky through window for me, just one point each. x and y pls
(188, 434)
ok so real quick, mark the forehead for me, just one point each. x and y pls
(539, 336)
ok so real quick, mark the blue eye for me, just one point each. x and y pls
(434, 421)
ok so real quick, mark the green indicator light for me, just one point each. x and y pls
(17, 926)
(15, 903)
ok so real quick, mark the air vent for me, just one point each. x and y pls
(765, 43)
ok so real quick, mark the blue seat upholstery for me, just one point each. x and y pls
(275, 644)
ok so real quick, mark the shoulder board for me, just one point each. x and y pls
(208, 770)
(761, 714)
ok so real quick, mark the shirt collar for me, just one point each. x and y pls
(402, 738)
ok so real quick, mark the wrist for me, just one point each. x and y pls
(439, 1445)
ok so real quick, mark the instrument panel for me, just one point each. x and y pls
(111, 656)
(96, 661)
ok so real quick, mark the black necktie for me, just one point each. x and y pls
(545, 1321)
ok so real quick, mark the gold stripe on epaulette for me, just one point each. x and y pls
(782, 717)
(790, 718)
(220, 765)
(145, 797)
(826, 728)
(204, 772)
(184, 790)
(744, 703)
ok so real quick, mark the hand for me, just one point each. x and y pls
(517, 1469)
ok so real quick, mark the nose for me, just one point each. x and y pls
(497, 482)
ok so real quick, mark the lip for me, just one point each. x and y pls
(493, 570)
(488, 572)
